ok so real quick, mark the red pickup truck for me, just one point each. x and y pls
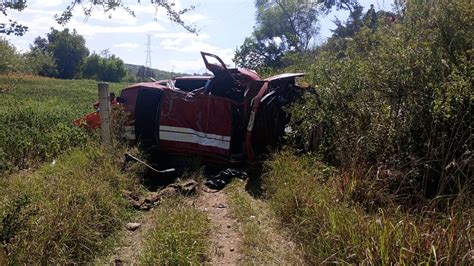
(229, 117)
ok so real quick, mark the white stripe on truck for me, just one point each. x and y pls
(189, 135)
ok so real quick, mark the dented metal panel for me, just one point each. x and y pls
(228, 117)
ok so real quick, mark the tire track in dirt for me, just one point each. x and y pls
(224, 236)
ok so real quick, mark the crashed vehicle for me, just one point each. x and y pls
(185, 83)
(230, 117)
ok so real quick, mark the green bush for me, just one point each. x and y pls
(40, 63)
(395, 102)
(10, 61)
(104, 68)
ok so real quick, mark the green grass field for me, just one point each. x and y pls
(36, 117)
(69, 211)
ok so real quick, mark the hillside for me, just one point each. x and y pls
(159, 74)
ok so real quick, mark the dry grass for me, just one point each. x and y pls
(263, 242)
(308, 197)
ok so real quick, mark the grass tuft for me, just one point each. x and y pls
(179, 236)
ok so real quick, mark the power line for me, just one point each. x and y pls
(148, 51)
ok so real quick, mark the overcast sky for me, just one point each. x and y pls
(223, 26)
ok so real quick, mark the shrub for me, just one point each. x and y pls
(10, 59)
(40, 63)
(393, 103)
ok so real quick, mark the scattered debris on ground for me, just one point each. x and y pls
(132, 226)
(225, 237)
(146, 203)
(223, 178)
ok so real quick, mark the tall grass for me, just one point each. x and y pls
(263, 240)
(179, 236)
(66, 212)
(316, 204)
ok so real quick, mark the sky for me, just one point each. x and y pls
(223, 25)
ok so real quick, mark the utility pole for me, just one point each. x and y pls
(148, 51)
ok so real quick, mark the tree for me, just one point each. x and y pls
(13, 27)
(92, 66)
(10, 60)
(256, 54)
(69, 51)
(110, 68)
(40, 63)
(145, 73)
(286, 26)
(294, 22)
(282, 26)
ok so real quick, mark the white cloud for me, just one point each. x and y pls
(119, 16)
(173, 40)
(225, 54)
(127, 45)
(88, 29)
(192, 18)
(186, 66)
(46, 4)
(39, 11)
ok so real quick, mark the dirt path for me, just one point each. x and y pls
(233, 216)
(132, 241)
(224, 236)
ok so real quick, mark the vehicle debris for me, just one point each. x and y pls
(129, 157)
(224, 177)
(145, 203)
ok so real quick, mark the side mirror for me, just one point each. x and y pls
(121, 100)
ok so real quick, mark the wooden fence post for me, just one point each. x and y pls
(104, 112)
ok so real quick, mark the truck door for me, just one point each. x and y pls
(147, 115)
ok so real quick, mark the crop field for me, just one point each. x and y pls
(36, 117)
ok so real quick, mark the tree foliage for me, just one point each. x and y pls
(12, 26)
(282, 25)
(68, 49)
(173, 14)
(395, 100)
(40, 63)
(109, 68)
(144, 73)
(286, 26)
(10, 60)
